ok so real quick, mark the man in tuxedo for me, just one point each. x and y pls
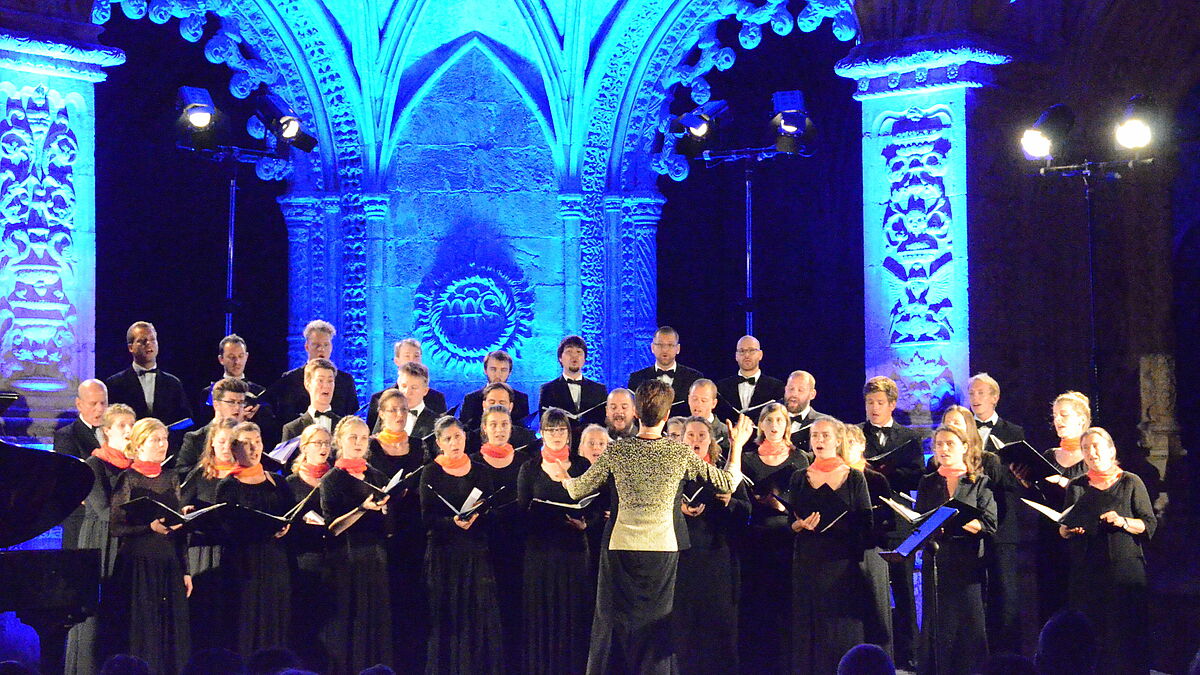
(405, 351)
(665, 348)
(500, 395)
(320, 381)
(79, 439)
(497, 367)
(798, 394)
(571, 391)
(749, 390)
(228, 402)
(288, 396)
(142, 386)
(702, 400)
(895, 451)
(1003, 588)
(413, 382)
(620, 417)
(233, 354)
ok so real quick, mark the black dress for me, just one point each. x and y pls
(831, 597)
(405, 559)
(877, 629)
(506, 545)
(464, 630)
(1108, 575)
(359, 634)
(312, 604)
(258, 567)
(213, 598)
(953, 638)
(144, 606)
(93, 533)
(1052, 558)
(707, 584)
(557, 594)
(766, 562)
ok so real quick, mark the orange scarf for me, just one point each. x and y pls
(952, 476)
(824, 471)
(391, 438)
(551, 456)
(459, 462)
(243, 472)
(1069, 444)
(314, 471)
(357, 465)
(1104, 479)
(497, 451)
(113, 457)
(772, 450)
(827, 464)
(224, 469)
(147, 469)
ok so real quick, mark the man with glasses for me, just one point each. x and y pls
(228, 402)
(665, 348)
(749, 390)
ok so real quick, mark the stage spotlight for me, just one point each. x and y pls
(793, 127)
(196, 107)
(701, 121)
(1049, 133)
(1136, 129)
(283, 122)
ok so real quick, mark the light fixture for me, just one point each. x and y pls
(1136, 128)
(278, 117)
(196, 107)
(793, 127)
(1049, 133)
(701, 121)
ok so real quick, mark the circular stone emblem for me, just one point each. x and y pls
(463, 314)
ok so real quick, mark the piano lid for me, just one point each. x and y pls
(38, 490)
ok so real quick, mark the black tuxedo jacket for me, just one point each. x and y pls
(555, 394)
(472, 409)
(297, 426)
(421, 439)
(1003, 433)
(902, 467)
(75, 439)
(435, 402)
(193, 446)
(800, 438)
(289, 399)
(681, 383)
(729, 402)
(170, 401)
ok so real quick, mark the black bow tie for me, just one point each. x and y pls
(146, 371)
(658, 372)
(984, 425)
(883, 430)
(798, 419)
(578, 383)
(749, 380)
(326, 413)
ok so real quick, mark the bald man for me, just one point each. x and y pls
(798, 394)
(79, 439)
(749, 390)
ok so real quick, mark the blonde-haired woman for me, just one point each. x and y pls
(831, 599)
(1071, 417)
(308, 545)
(146, 612)
(1108, 568)
(953, 639)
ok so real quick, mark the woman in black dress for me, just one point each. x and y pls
(145, 606)
(953, 639)
(107, 462)
(257, 563)
(506, 536)
(392, 452)
(1108, 568)
(877, 627)
(212, 600)
(360, 632)
(706, 587)
(831, 597)
(557, 601)
(766, 547)
(465, 633)
(307, 543)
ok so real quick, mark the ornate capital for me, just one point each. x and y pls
(897, 67)
(48, 56)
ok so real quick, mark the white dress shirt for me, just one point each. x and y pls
(147, 380)
(321, 420)
(745, 389)
(413, 414)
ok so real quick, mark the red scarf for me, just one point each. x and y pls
(147, 469)
(952, 476)
(225, 468)
(314, 471)
(827, 464)
(551, 456)
(497, 451)
(1105, 479)
(772, 450)
(244, 472)
(1069, 444)
(117, 459)
(391, 438)
(358, 465)
(459, 462)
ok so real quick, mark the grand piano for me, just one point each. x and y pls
(49, 590)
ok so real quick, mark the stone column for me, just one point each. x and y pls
(632, 313)
(379, 369)
(305, 216)
(49, 65)
(916, 97)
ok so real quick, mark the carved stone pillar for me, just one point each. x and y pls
(305, 216)
(571, 211)
(633, 297)
(915, 96)
(378, 368)
(49, 64)
(1160, 431)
